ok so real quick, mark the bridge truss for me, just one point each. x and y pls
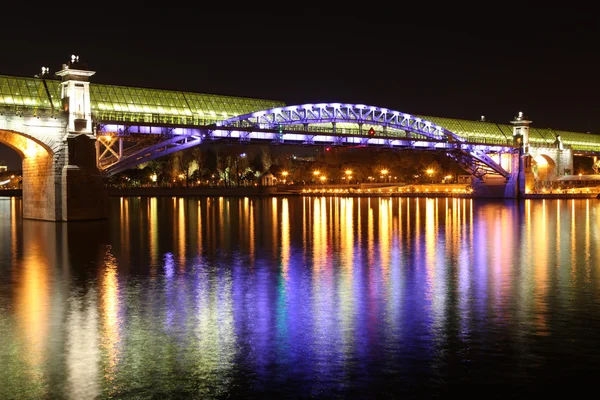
(124, 145)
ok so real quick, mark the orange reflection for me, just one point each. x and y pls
(223, 219)
(430, 243)
(285, 237)
(346, 278)
(385, 236)
(400, 238)
(540, 267)
(251, 234)
(181, 232)
(274, 223)
(13, 224)
(347, 234)
(125, 229)
(319, 234)
(109, 305)
(588, 255)
(153, 236)
(370, 231)
(32, 295)
(558, 229)
(199, 228)
(573, 243)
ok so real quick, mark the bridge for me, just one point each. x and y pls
(72, 133)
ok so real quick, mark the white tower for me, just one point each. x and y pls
(521, 131)
(75, 93)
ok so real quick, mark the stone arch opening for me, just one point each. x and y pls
(39, 175)
(24, 145)
(543, 168)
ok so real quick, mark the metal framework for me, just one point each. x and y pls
(336, 113)
(121, 147)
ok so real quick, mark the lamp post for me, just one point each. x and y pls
(284, 174)
(316, 174)
(384, 172)
(430, 173)
(348, 175)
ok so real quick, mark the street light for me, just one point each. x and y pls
(348, 175)
(316, 173)
(284, 174)
(430, 173)
(384, 173)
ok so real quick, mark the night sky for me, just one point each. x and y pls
(458, 63)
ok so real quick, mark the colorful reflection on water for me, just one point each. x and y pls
(298, 297)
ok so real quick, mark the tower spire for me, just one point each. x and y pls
(75, 94)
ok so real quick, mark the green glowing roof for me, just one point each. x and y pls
(480, 131)
(29, 92)
(121, 103)
(108, 98)
(114, 102)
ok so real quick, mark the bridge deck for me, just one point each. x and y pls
(122, 104)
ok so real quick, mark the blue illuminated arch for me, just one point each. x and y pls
(339, 112)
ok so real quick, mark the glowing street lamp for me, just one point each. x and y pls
(384, 172)
(348, 173)
(430, 173)
(316, 173)
(284, 174)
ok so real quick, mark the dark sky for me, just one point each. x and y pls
(459, 61)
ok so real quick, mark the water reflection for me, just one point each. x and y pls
(309, 297)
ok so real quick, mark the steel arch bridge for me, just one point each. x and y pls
(324, 124)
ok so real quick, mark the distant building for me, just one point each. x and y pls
(574, 181)
(464, 179)
(267, 179)
(3, 168)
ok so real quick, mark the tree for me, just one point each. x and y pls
(199, 157)
(266, 159)
(187, 163)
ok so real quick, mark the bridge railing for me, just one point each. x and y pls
(115, 116)
(28, 111)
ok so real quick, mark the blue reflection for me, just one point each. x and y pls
(301, 297)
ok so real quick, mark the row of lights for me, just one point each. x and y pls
(347, 191)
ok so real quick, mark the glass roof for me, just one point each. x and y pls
(165, 102)
(108, 99)
(29, 92)
(480, 129)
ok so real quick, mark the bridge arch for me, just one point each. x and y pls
(306, 114)
(544, 167)
(25, 145)
(309, 124)
(40, 180)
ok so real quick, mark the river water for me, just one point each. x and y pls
(301, 297)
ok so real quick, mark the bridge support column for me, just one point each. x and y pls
(497, 186)
(41, 186)
(83, 194)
